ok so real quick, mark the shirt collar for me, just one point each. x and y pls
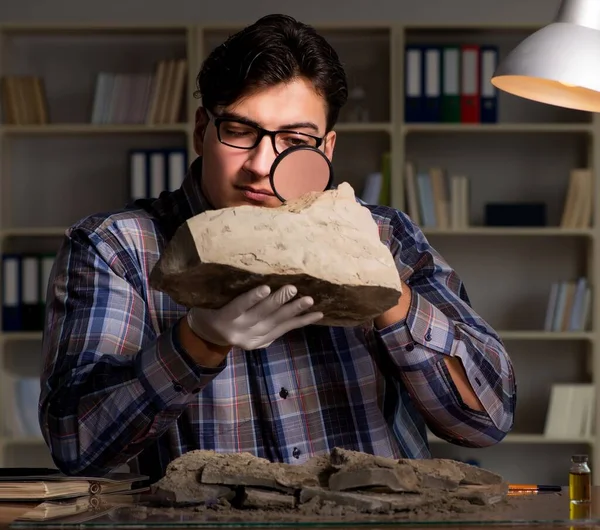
(191, 190)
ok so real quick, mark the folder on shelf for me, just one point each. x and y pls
(24, 287)
(157, 165)
(24, 484)
(46, 264)
(432, 104)
(450, 112)
(177, 168)
(489, 93)
(138, 174)
(30, 293)
(11, 292)
(152, 171)
(413, 84)
(470, 111)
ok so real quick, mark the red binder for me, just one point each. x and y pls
(470, 93)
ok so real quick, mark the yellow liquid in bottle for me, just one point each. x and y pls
(580, 487)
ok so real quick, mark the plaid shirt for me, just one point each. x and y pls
(118, 387)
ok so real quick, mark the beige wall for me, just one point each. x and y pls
(198, 11)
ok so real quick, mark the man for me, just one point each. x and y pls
(131, 377)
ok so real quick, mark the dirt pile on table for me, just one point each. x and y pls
(340, 484)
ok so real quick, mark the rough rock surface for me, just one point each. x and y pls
(325, 243)
(340, 483)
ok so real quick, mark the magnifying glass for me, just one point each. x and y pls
(298, 170)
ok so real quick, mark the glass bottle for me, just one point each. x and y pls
(580, 479)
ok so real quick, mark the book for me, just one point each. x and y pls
(77, 510)
(25, 484)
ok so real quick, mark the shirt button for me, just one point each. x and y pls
(296, 453)
(177, 387)
(283, 393)
(410, 347)
(428, 335)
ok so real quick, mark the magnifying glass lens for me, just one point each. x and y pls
(297, 171)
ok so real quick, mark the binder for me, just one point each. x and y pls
(11, 292)
(470, 111)
(413, 84)
(177, 168)
(138, 174)
(450, 84)
(46, 264)
(30, 292)
(432, 69)
(489, 93)
(157, 165)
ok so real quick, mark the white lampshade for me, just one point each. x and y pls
(560, 63)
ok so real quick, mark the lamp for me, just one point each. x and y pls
(560, 63)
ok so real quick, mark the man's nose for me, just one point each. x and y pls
(261, 158)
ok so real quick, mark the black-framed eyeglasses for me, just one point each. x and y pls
(242, 135)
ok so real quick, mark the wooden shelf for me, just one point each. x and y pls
(364, 127)
(20, 336)
(550, 231)
(517, 438)
(40, 231)
(22, 440)
(547, 335)
(408, 128)
(88, 128)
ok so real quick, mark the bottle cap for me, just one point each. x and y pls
(579, 459)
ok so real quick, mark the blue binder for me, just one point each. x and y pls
(414, 99)
(432, 84)
(489, 94)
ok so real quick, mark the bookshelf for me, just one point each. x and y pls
(508, 271)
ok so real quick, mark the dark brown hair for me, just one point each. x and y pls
(275, 49)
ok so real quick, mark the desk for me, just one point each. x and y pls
(539, 511)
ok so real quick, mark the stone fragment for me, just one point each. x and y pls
(267, 500)
(193, 493)
(349, 459)
(240, 470)
(181, 483)
(400, 478)
(484, 495)
(320, 466)
(436, 473)
(366, 502)
(478, 476)
(326, 244)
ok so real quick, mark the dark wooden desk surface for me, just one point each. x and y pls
(548, 510)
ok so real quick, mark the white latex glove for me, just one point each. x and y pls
(254, 319)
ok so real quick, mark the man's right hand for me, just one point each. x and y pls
(254, 319)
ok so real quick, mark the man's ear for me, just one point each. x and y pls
(201, 123)
(329, 144)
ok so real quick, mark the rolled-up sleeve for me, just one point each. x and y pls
(441, 323)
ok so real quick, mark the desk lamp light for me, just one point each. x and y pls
(560, 63)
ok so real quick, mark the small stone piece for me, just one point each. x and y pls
(484, 495)
(478, 476)
(388, 480)
(239, 470)
(436, 473)
(366, 502)
(326, 244)
(267, 500)
(356, 460)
